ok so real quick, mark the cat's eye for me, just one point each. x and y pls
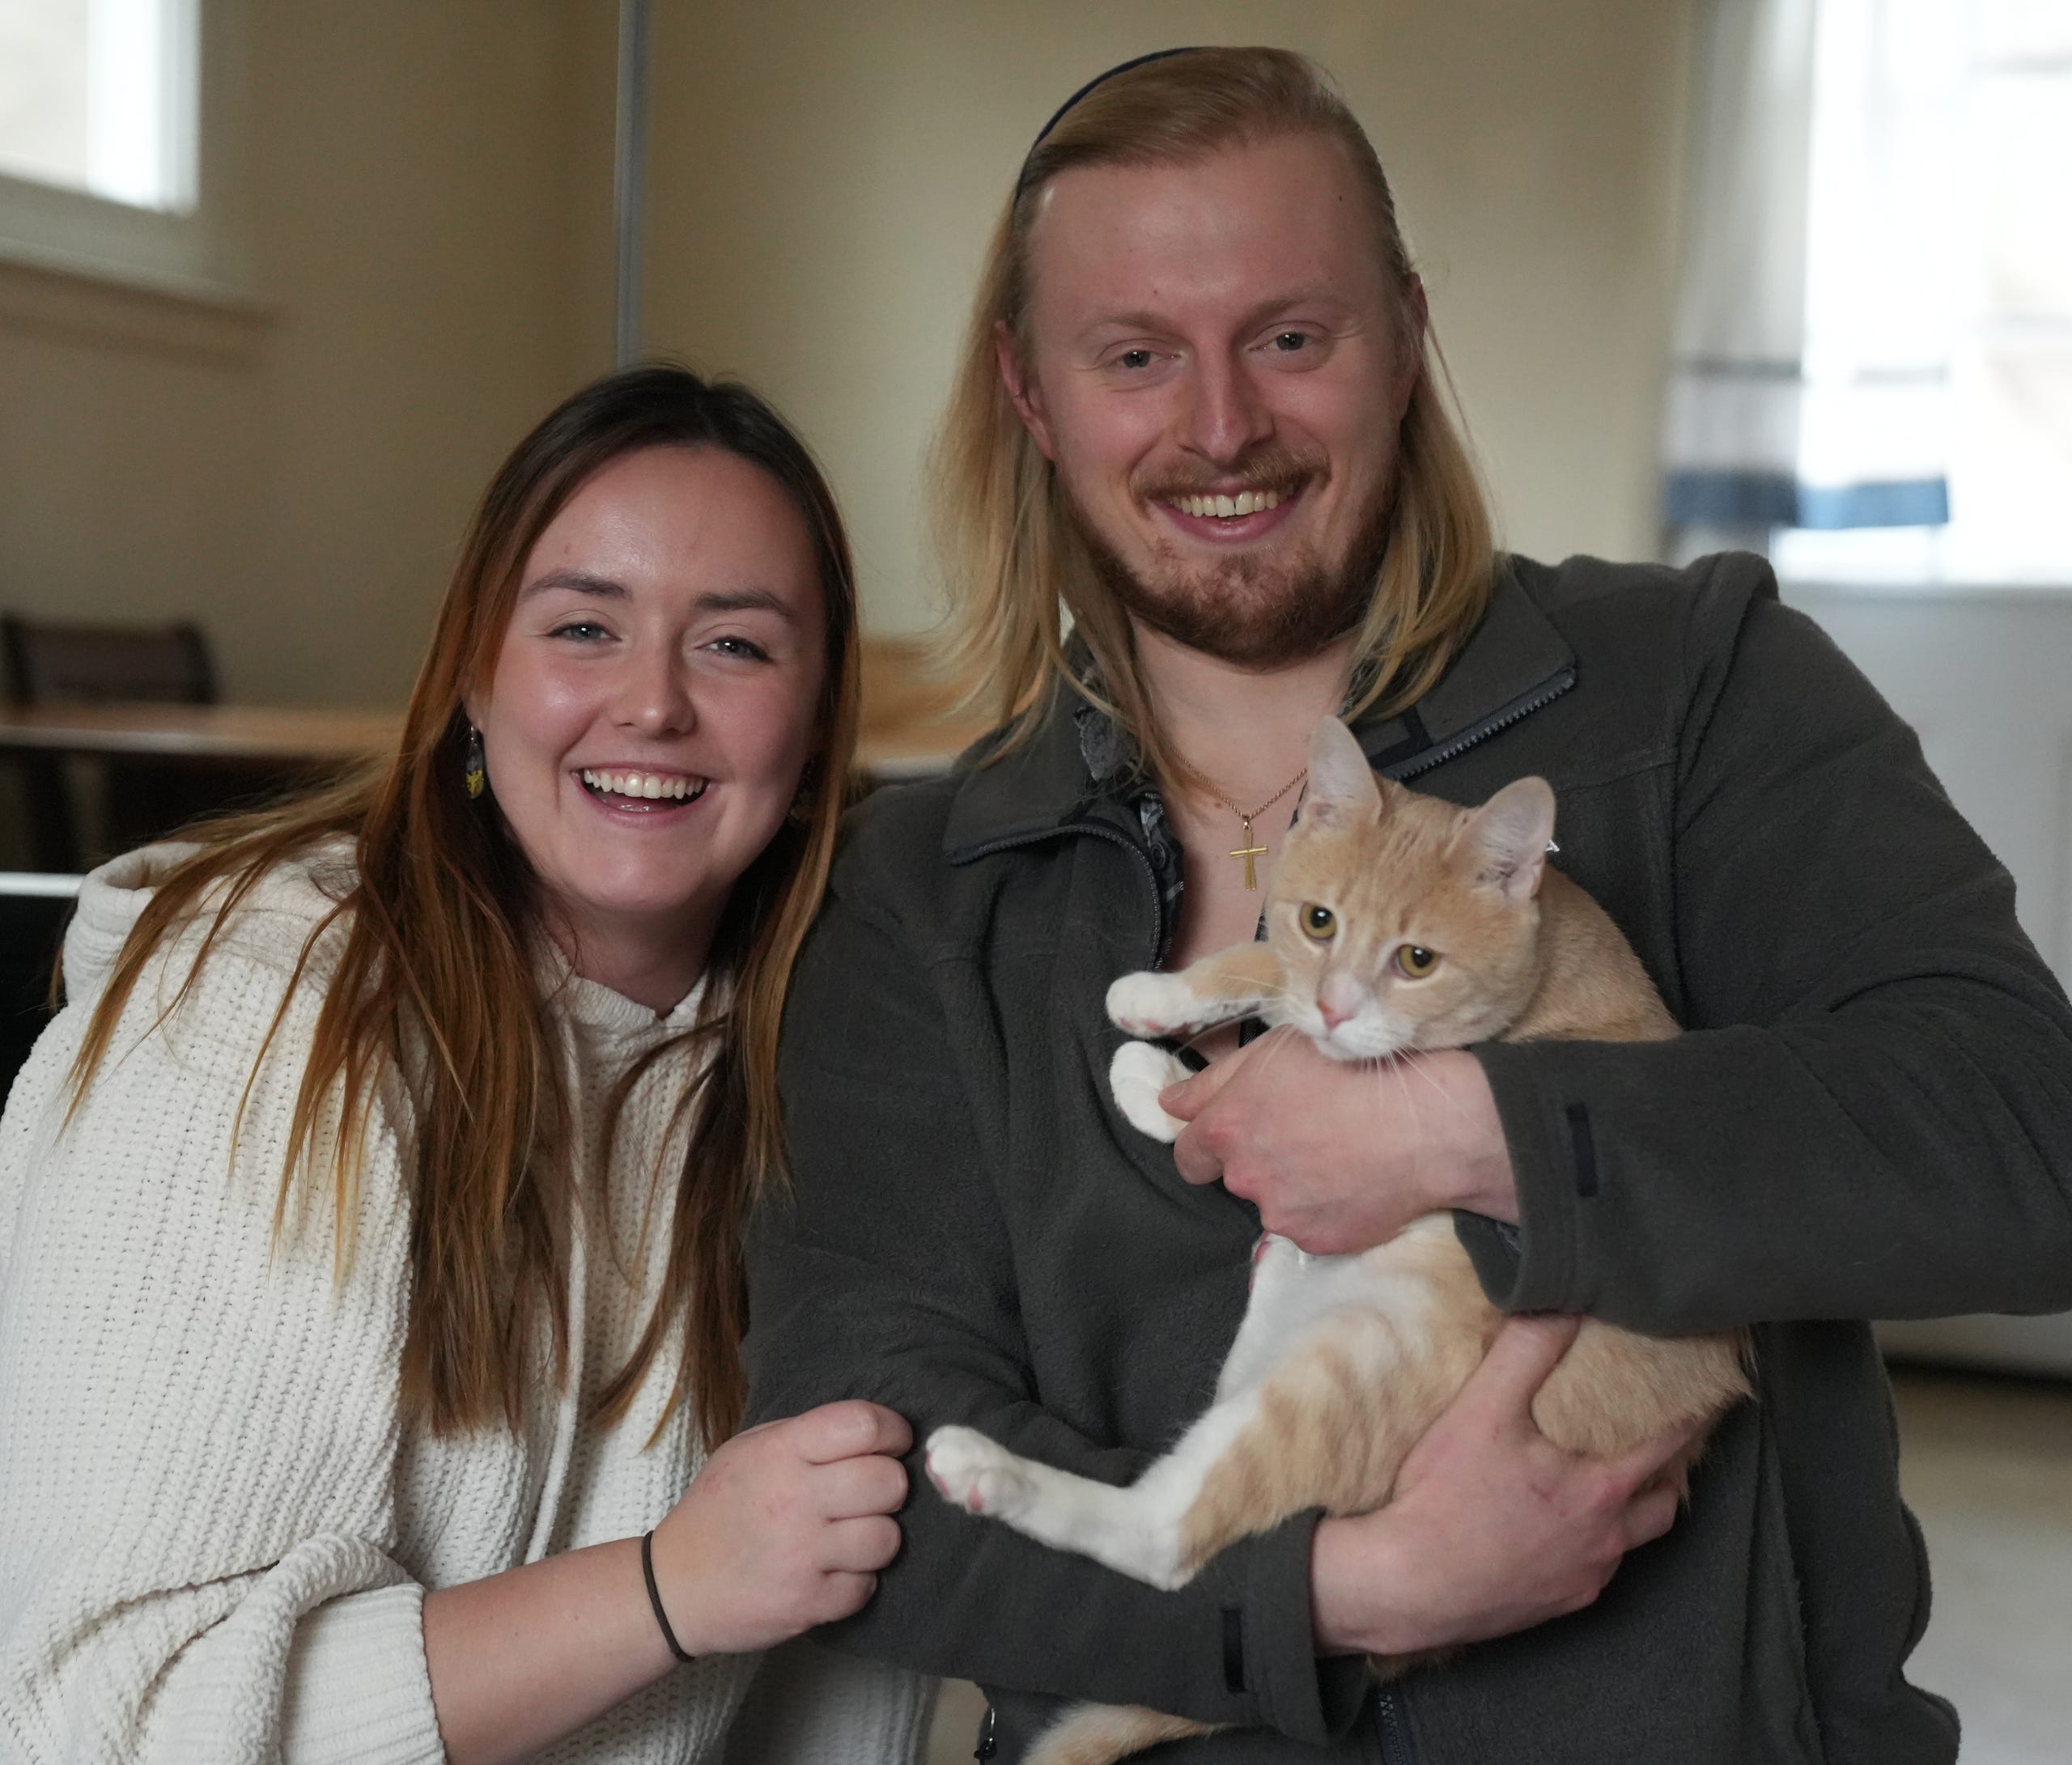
(1415, 960)
(1319, 922)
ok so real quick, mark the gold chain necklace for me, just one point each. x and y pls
(1250, 850)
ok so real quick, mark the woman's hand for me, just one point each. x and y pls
(784, 1528)
(1340, 1157)
(1493, 1528)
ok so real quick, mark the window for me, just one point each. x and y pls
(121, 157)
(98, 95)
(1874, 365)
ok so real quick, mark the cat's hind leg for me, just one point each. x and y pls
(1135, 1531)
(1102, 1733)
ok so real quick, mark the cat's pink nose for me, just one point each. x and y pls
(1341, 997)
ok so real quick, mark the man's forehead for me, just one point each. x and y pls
(1287, 213)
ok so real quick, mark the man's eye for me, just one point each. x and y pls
(1287, 342)
(1134, 359)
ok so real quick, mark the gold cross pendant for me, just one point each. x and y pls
(1248, 852)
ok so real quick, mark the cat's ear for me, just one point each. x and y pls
(1509, 835)
(1342, 788)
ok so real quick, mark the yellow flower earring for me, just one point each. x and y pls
(477, 773)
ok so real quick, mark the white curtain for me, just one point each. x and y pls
(1819, 298)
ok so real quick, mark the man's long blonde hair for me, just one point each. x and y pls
(1014, 556)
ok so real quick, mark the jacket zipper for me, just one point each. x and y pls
(1114, 837)
(1396, 1748)
(1493, 725)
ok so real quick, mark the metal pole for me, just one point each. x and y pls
(629, 172)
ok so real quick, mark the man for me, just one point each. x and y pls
(1197, 412)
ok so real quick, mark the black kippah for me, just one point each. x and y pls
(1058, 115)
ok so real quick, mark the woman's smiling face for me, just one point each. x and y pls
(654, 702)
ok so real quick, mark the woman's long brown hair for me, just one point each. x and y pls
(428, 977)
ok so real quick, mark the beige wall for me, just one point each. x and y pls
(424, 192)
(296, 478)
(826, 171)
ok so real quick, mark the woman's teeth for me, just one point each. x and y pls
(1229, 507)
(646, 784)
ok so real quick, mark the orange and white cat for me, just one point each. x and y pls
(1395, 922)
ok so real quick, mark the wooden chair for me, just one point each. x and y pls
(71, 662)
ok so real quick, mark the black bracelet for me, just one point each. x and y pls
(655, 1598)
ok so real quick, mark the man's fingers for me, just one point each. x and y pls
(1190, 1096)
(1526, 1349)
(1640, 1464)
(1193, 1157)
(843, 1430)
(1649, 1514)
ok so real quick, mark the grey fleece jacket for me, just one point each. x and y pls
(1870, 1115)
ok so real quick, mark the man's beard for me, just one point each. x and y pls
(1248, 610)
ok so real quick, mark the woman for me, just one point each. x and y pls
(369, 1282)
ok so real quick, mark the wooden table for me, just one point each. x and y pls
(908, 727)
(257, 732)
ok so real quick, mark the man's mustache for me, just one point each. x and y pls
(1267, 469)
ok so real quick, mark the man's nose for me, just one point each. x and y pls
(1225, 416)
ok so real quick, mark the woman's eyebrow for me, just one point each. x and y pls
(713, 600)
(581, 581)
(747, 600)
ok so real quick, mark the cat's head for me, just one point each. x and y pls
(1402, 922)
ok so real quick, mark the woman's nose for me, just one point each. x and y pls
(654, 695)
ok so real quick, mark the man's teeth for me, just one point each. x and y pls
(1227, 507)
(645, 784)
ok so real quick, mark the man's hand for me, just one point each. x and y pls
(1341, 1156)
(1493, 1528)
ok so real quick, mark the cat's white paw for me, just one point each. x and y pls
(979, 1476)
(1152, 1004)
(1135, 1076)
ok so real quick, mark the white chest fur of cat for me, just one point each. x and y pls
(1395, 923)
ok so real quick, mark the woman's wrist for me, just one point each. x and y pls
(521, 1659)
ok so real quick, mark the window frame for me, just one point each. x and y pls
(198, 255)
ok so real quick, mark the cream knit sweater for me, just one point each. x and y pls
(215, 1534)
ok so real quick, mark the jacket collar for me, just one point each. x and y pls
(1515, 662)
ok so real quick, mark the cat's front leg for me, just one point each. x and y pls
(1236, 983)
(1137, 1075)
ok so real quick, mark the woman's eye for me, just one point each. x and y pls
(1319, 922)
(1415, 962)
(583, 630)
(745, 648)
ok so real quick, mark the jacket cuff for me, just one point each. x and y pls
(1297, 1694)
(1553, 1164)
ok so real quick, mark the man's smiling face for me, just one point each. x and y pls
(1216, 362)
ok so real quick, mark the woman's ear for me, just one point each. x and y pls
(1342, 788)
